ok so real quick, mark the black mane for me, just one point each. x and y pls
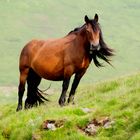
(104, 52)
(76, 29)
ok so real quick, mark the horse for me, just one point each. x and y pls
(59, 59)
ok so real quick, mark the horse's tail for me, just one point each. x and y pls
(34, 95)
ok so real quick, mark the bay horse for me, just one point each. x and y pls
(59, 59)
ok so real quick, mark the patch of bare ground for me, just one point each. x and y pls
(52, 124)
(94, 125)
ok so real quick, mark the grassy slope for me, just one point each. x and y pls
(118, 99)
(23, 20)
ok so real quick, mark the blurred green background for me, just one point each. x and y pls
(22, 21)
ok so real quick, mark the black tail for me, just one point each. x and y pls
(34, 96)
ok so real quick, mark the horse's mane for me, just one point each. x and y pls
(95, 27)
(104, 52)
(75, 30)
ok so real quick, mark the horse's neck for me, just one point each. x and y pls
(82, 43)
(83, 48)
(81, 35)
(79, 38)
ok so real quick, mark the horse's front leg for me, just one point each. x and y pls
(75, 83)
(65, 86)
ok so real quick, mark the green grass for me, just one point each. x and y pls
(22, 21)
(118, 99)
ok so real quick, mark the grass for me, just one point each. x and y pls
(24, 20)
(118, 99)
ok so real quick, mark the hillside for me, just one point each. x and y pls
(118, 100)
(21, 21)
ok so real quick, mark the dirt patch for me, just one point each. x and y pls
(94, 125)
(52, 124)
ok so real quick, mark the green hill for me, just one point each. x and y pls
(117, 99)
(21, 21)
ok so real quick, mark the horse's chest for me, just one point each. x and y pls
(85, 63)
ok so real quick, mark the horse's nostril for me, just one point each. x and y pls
(93, 47)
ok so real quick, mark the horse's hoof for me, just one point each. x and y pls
(71, 100)
(62, 102)
(19, 108)
(29, 105)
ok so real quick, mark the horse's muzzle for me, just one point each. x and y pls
(93, 48)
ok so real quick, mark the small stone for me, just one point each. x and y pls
(86, 110)
(108, 124)
(91, 129)
(51, 126)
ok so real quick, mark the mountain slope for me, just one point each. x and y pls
(117, 99)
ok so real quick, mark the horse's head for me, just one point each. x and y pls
(93, 32)
(98, 48)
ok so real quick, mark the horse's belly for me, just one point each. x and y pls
(49, 71)
(52, 75)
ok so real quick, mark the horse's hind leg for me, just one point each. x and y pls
(33, 82)
(21, 87)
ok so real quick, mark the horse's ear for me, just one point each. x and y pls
(86, 19)
(96, 17)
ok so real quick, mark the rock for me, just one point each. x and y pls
(51, 126)
(48, 124)
(91, 129)
(108, 124)
(86, 110)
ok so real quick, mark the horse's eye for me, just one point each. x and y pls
(88, 31)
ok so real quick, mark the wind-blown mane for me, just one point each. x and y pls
(104, 52)
(76, 29)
